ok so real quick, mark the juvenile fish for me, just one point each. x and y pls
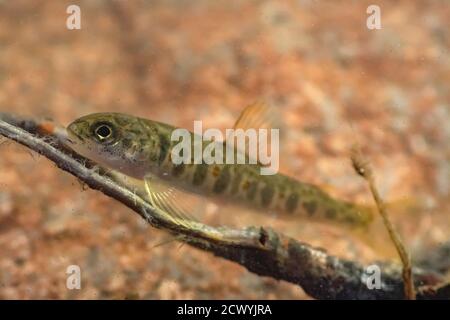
(141, 149)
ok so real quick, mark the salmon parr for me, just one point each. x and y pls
(142, 149)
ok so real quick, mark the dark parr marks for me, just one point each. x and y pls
(222, 181)
(178, 169)
(237, 179)
(330, 213)
(267, 195)
(164, 146)
(292, 202)
(252, 189)
(200, 173)
(281, 191)
(310, 207)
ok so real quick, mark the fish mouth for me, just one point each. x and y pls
(63, 135)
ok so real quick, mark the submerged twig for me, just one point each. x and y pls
(362, 167)
(261, 250)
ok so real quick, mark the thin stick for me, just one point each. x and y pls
(362, 167)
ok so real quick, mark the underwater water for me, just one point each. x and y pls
(336, 72)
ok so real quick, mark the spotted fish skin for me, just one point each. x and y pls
(140, 147)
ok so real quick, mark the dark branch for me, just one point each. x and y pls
(261, 250)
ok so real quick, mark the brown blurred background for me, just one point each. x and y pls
(334, 81)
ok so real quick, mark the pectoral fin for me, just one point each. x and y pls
(179, 206)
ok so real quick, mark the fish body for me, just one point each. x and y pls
(142, 148)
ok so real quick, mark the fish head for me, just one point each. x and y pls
(118, 141)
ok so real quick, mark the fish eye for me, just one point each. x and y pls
(103, 131)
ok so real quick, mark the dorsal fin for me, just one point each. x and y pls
(257, 115)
